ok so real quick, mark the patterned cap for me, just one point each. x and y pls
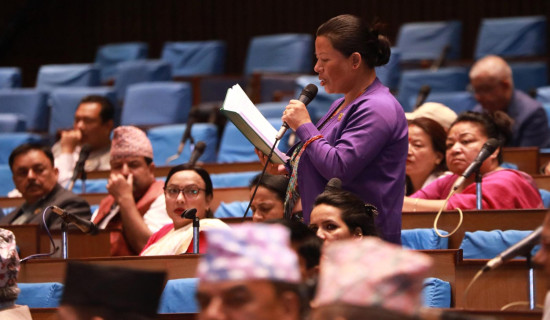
(438, 112)
(9, 267)
(371, 272)
(129, 141)
(249, 251)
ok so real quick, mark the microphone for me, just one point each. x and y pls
(197, 152)
(488, 148)
(193, 114)
(84, 225)
(308, 94)
(422, 95)
(79, 167)
(189, 213)
(521, 248)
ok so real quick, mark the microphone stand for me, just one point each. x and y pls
(479, 204)
(196, 226)
(531, 281)
(64, 240)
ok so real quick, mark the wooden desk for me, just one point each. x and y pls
(542, 181)
(526, 158)
(515, 219)
(50, 314)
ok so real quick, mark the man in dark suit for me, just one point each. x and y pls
(35, 176)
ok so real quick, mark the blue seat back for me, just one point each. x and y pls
(30, 103)
(512, 37)
(109, 55)
(390, 73)
(442, 80)
(192, 58)
(12, 122)
(280, 53)
(9, 141)
(40, 295)
(436, 293)
(234, 209)
(423, 239)
(320, 105)
(6, 178)
(488, 244)
(179, 296)
(67, 75)
(138, 71)
(426, 40)
(545, 196)
(232, 179)
(92, 186)
(543, 94)
(64, 102)
(529, 76)
(10, 77)
(458, 101)
(165, 141)
(156, 103)
(272, 109)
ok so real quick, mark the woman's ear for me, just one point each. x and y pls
(357, 233)
(356, 60)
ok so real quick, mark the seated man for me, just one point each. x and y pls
(249, 272)
(93, 122)
(135, 203)
(491, 80)
(35, 178)
(110, 293)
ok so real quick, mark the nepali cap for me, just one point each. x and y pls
(249, 251)
(130, 141)
(372, 272)
(9, 268)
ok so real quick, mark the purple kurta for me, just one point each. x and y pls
(366, 148)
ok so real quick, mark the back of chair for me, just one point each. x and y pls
(138, 71)
(280, 53)
(40, 295)
(423, 239)
(426, 40)
(67, 75)
(31, 104)
(192, 58)
(10, 77)
(156, 103)
(458, 101)
(512, 37)
(390, 73)
(10, 141)
(179, 296)
(109, 55)
(528, 76)
(488, 244)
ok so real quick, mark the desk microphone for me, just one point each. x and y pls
(488, 148)
(84, 225)
(308, 94)
(189, 213)
(79, 167)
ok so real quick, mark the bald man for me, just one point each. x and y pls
(491, 80)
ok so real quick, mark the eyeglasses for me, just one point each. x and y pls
(190, 192)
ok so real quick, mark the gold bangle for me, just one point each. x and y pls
(415, 203)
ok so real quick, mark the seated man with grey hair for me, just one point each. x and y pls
(250, 272)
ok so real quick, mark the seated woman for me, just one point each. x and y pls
(339, 214)
(270, 196)
(186, 187)
(502, 188)
(426, 157)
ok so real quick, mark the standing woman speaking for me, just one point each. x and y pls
(362, 140)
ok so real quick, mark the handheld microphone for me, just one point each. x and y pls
(521, 248)
(308, 94)
(84, 225)
(79, 167)
(189, 213)
(197, 152)
(488, 148)
(422, 95)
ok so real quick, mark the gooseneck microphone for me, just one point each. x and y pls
(197, 152)
(521, 248)
(308, 94)
(422, 95)
(84, 225)
(488, 148)
(79, 167)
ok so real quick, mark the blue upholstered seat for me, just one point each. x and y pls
(156, 103)
(9, 141)
(436, 293)
(138, 71)
(426, 40)
(92, 186)
(179, 296)
(166, 139)
(191, 58)
(12, 122)
(543, 94)
(390, 73)
(7, 182)
(529, 76)
(512, 37)
(232, 179)
(545, 196)
(458, 101)
(10, 77)
(488, 244)
(423, 239)
(30, 103)
(67, 75)
(64, 102)
(40, 295)
(442, 80)
(109, 55)
(272, 109)
(234, 209)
